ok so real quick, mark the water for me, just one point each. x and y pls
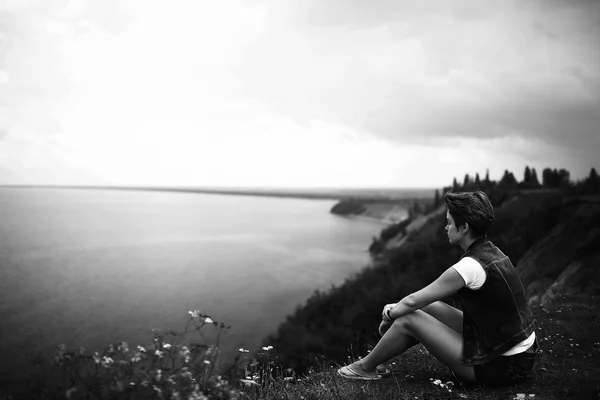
(90, 267)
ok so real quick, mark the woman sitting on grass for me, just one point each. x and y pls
(492, 340)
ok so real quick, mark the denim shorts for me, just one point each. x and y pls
(507, 369)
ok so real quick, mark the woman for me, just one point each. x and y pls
(492, 340)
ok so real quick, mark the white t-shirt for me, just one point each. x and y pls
(474, 276)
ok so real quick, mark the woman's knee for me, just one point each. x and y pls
(402, 323)
(433, 306)
(384, 326)
(408, 323)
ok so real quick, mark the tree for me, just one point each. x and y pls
(487, 176)
(592, 182)
(454, 185)
(547, 178)
(535, 183)
(436, 199)
(467, 181)
(508, 181)
(563, 178)
(477, 180)
(527, 177)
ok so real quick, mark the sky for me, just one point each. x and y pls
(296, 93)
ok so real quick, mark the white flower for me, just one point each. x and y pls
(166, 346)
(69, 392)
(248, 382)
(241, 350)
(107, 361)
(208, 320)
(140, 348)
(197, 396)
(267, 348)
(158, 353)
(194, 313)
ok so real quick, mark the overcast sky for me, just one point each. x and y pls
(296, 92)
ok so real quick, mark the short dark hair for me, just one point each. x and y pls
(473, 208)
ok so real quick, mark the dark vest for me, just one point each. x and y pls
(496, 317)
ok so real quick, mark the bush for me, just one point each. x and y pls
(170, 367)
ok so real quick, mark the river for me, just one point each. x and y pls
(91, 267)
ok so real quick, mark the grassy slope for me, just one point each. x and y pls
(568, 366)
(523, 220)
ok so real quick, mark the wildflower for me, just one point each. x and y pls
(69, 392)
(208, 320)
(248, 382)
(158, 374)
(96, 357)
(166, 346)
(241, 350)
(267, 348)
(106, 361)
(185, 373)
(123, 346)
(194, 313)
(140, 348)
(185, 353)
(197, 396)
(135, 358)
(159, 353)
(206, 362)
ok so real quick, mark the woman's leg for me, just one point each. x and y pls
(449, 315)
(420, 327)
(443, 312)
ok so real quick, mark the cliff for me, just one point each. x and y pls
(552, 239)
(567, 259)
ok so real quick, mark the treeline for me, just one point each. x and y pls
(343, 321)
(552, 179)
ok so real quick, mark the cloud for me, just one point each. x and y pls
(32, 73)
(413, 72)
(287, 93)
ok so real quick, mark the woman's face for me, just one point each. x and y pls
(454, 235)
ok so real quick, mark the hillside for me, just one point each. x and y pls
(550, 237)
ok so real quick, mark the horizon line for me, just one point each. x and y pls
(334, 193)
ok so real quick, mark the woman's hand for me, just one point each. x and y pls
(384, 313)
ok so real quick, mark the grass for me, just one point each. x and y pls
(567, 368)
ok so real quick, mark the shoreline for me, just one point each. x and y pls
(378, 195)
